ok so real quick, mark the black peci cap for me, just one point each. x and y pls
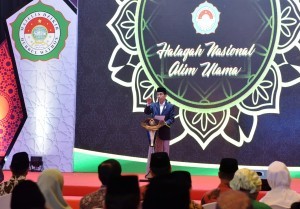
(161, 89)
(228, 165)
(123, 185)
(160, 160)
(20, 161)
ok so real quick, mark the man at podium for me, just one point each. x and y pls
(161, 110)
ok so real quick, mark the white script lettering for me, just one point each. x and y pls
(167, 51)
(216, 51)
(178, 69)
(215, 70)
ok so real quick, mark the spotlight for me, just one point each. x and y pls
(36, 164)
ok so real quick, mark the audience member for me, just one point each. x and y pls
(295, 205)
(233, 200)
(122, 193)
(51, 183)
(279, 179)
(228, 166)
(107, 169)
(27, 195)
(159, 165)
(184, 177)
(248, 181)
(1, 174)
(19, 167)
(165, 192)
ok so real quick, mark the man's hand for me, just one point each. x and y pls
(149, 100)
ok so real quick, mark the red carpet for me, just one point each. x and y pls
(78, 184)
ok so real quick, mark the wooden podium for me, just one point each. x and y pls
(152, 125)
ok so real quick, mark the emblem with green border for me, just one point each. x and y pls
(40, 32)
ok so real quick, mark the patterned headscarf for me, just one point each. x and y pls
(245, 179)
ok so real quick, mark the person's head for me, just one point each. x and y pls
(248, 181)
(228, 166)
(183, 177)
(166, 192)
(19, 164)
(233, 200)
(27, 195)
(161, 94)
(160, 164)
(122, 192)
(108, 169)
(51, 182)
(295, 205)
(278, 175)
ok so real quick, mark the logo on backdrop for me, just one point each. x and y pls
(206, 18)
(40, 32)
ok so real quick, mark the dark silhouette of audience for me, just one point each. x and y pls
(159, 165)
(1, 174)
(107, 169)
(122, 193)
(238, 188)
(19, 167)
(228, 166)
(184, 177)
(27, 195)
(166, 192)
(295, 205)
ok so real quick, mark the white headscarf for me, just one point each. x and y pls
(278, 175)
(279, 179)
(245, 179)
(51, 184)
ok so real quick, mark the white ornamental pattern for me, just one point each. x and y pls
(205, 127)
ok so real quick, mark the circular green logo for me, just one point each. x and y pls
(40, 32)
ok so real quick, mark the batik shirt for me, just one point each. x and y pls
(7, 186)
(213, 195)
(94, 199)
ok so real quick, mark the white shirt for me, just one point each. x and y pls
(161, 107)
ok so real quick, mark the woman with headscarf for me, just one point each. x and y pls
(51, 183)
(248, 181)
(279, 179)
